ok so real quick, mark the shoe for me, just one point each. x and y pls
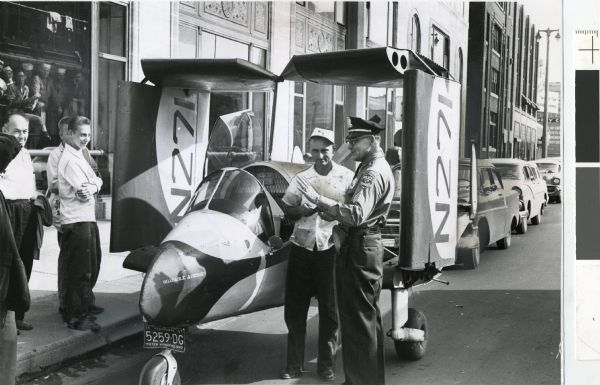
(84, 323)
(290, 373)
(22, 325)
(327, 374)
(95, 309)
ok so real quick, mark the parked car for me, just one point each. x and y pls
(524, 177)
(551, 171)
(497, 214)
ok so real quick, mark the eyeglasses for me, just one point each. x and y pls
(352, 142)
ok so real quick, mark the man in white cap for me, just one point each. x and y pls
(311, 263)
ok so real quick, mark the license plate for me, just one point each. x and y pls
(157, 337)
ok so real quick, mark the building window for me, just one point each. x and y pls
(313, 107)
(340, 12)
(497, 38)
(377, 15)
(495, 81)
(54, 54)
(323, 8)
(415, 34)
(112, 67)
(440, 48)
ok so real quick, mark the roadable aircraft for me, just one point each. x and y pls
(199, 202)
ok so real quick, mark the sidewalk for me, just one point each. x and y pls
(51, 342)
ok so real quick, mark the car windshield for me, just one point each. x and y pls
(548, 167)
(464, 182)
(508, 171)
(237, 193)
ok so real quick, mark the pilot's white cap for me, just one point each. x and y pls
(323, 133)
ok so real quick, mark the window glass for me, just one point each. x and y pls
(112, 28)
(208, 45)
(340, 12)
(508, 171)
(109, 72)
(188, 41)
(378, 25)
(319, 109)
(323, 8)
(227, 48)
(415, 34)
(484, 179)
(440, 48)
(258, 56)
(298, 122)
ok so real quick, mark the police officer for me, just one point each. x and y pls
(359, 269)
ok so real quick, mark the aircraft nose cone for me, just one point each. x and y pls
(173, 277)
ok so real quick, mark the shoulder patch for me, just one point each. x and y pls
(367, 179)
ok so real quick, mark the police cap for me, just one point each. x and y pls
(359, 127)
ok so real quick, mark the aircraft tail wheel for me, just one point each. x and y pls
(413, 350)
(156, 372)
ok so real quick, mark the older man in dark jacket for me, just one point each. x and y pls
(14, 292)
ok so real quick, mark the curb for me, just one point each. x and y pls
(51, 342)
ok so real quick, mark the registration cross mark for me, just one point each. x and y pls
(592, 49)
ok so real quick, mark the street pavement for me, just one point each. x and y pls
(497, 324)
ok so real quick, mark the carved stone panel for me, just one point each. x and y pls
(261, 16)
(319, 40)
(300, 31)
(234, 11)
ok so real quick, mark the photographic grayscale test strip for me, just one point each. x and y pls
(587, 173)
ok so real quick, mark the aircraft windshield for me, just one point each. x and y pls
(236, 139)
(236, 193)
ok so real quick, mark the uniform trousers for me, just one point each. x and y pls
(310, 273)
(23, 219)
(81, 257)
(359, 274)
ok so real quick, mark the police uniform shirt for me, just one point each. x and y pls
(73, 172)
(18, 182)
(314, 229)
(369, 196)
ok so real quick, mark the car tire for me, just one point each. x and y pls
(470, 258)
(522, 226)
(504, 243)
(413, 350)
(537, 219)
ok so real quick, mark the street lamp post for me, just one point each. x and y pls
(548, 32)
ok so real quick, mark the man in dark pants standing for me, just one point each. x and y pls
(311, 263)
(17, 184)
(359, 268)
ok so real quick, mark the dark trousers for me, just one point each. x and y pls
(310, 273)
(359, 273)
(23, 219)
(81, 256)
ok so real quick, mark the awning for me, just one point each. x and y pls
(209, 74)
(368, 67)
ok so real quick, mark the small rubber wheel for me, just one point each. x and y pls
(470, 258)
(413, 350)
